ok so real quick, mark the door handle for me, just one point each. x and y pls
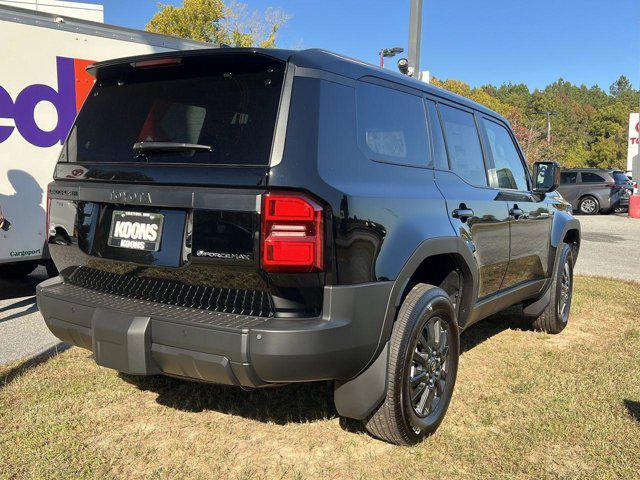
(462, 213)
(516, 212)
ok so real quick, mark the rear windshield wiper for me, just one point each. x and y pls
(144, 147)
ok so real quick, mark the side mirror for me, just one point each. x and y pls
(546, 177)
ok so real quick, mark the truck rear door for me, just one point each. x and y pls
(159, 187)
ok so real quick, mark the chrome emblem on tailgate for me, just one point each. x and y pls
(130, 197)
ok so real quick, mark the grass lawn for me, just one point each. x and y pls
(526, 405)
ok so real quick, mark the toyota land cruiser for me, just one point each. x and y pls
(257, 217)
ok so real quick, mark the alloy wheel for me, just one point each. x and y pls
(588, 205)
(428, 373)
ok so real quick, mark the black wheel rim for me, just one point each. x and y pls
(428, 373)
(564, 297)
(588, 205)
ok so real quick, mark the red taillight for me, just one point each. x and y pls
(292, 233)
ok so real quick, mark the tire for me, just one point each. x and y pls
(589, 205)
(400, 419)
(52, 271)
(555, 316)
(16, 271)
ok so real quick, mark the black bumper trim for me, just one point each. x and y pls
(219, 347)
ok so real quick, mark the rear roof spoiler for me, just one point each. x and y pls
(96, 69)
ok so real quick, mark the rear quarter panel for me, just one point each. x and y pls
(380, 212)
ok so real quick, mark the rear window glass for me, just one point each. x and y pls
(228, 106)
(392, 126)
(589, 177)
(620, 178)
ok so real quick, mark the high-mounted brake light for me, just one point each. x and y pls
(292, 233)
(160, 62)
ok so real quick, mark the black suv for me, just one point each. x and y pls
(592, 190)
(259, 217)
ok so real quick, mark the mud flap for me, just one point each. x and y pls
(535, 309)
(358, 397)
(123, 342)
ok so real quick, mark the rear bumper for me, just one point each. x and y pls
(607, 202)
(146, 338)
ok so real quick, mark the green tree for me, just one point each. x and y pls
(608, 137)
(217, 22)
(620, 86)
(577, 156)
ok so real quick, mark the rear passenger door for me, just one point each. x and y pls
(530, 217)
(475, 210)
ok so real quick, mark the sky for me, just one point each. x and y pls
(589, 42)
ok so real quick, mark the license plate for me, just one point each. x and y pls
(136, 230)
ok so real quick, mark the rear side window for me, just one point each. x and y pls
(568, 178)
(510, 171)
(590, 177)
(229, 104)
(463, 143)
(392, 125)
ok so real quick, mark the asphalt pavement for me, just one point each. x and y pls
(610, 248)
(22, 330)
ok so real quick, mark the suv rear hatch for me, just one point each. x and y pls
(160, 185)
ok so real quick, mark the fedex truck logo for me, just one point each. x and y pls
(73, 87)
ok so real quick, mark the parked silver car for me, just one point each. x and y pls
(593, 190)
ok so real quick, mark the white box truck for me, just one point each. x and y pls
(43, 83)
(85, 11)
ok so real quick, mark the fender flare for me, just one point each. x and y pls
(429, 248)
(562, 224)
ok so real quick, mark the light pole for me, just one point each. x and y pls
(415, 32)
(548, 114)
(388, 52)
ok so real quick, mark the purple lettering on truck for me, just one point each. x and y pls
(65, 100)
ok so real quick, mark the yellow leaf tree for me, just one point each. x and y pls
(217, 22)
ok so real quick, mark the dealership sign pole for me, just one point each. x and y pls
(633, 149)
